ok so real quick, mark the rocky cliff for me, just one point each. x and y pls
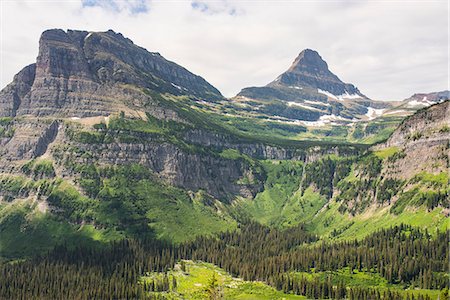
(423, 140)
(80, 73)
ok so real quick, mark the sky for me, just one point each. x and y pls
(390, 49)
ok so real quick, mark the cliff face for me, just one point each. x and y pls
(78, 74)
(423, 140)
(264, 151)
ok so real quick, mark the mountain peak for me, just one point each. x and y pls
(308, 59)
(309, 70)
(84, 73)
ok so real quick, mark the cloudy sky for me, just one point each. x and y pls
(389, 49)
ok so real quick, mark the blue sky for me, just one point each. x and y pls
(133, 6)
(388, 49)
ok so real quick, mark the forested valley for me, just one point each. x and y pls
(403, 255)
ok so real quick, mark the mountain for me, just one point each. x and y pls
(421, 100)
(310, 71)
(309, 91)
(80, 73)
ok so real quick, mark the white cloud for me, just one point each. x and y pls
(390, 50)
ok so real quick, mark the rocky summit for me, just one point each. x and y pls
(310, 70)
(310, 78)
(81, 73)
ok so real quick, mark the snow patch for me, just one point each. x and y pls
(295, 87)
(325, 120)
(327, 94)
(302, 105)
(398, 111)
(348, 96)
(177, 86)
(332, 117)
(89, 34)
(317, 103)
(373, 113)
(415, 103)
(74, 118)
(344, 96)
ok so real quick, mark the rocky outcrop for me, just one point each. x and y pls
(427, 124)
(423, 143)
(80, 73)
(30, 140)
(47, 137)
(12, 95)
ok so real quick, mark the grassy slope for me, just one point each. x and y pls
(281, 204)
(174, 216)
(26, 231)
(360, 226)
(356, 278)
(169, 212)
(193, 283)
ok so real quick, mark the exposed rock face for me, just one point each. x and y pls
(262, 151)
(426, 124)
(30, 140)
(12, 95)
(423, 138)
(78, 73)
(192, 171)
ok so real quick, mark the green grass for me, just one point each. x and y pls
(192, 284)
(136, 202)
(231, 154)
(386, 153)
(432, 180)
(281, 203)
(365, 279)
(348, 277)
